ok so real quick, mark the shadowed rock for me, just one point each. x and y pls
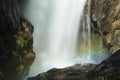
(16, 54)
(76, 72)
(109, 69)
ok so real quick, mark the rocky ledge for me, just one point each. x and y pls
(109, 69)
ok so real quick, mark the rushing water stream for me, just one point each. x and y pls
(57, 24)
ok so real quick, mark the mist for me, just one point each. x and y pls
(56, 25)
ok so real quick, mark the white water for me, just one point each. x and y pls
(56, 24)
(85, 38)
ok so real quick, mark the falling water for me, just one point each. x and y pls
(56, 25)
(85, 37)
(90, 45)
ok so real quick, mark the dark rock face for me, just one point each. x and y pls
(110, 68)
(16, 54)
(106, 70)
(76, 72)
(9, 16)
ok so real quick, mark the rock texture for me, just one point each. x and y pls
(105, 18)
(76, 72)
(109, 69)
(16, 54)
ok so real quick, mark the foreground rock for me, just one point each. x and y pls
(109, 69)
(76, 72)
(16, 54)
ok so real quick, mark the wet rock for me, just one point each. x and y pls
(106, 22)
(109, 69)
(76, 72)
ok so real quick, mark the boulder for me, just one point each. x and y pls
(16, 42)
(108, 69)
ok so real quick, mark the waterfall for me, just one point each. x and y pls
(60, 28)
(85, 37)
(56, 24)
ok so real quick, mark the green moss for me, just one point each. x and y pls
(20, 41)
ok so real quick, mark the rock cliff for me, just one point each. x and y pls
(16, 54)
(105, 18)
